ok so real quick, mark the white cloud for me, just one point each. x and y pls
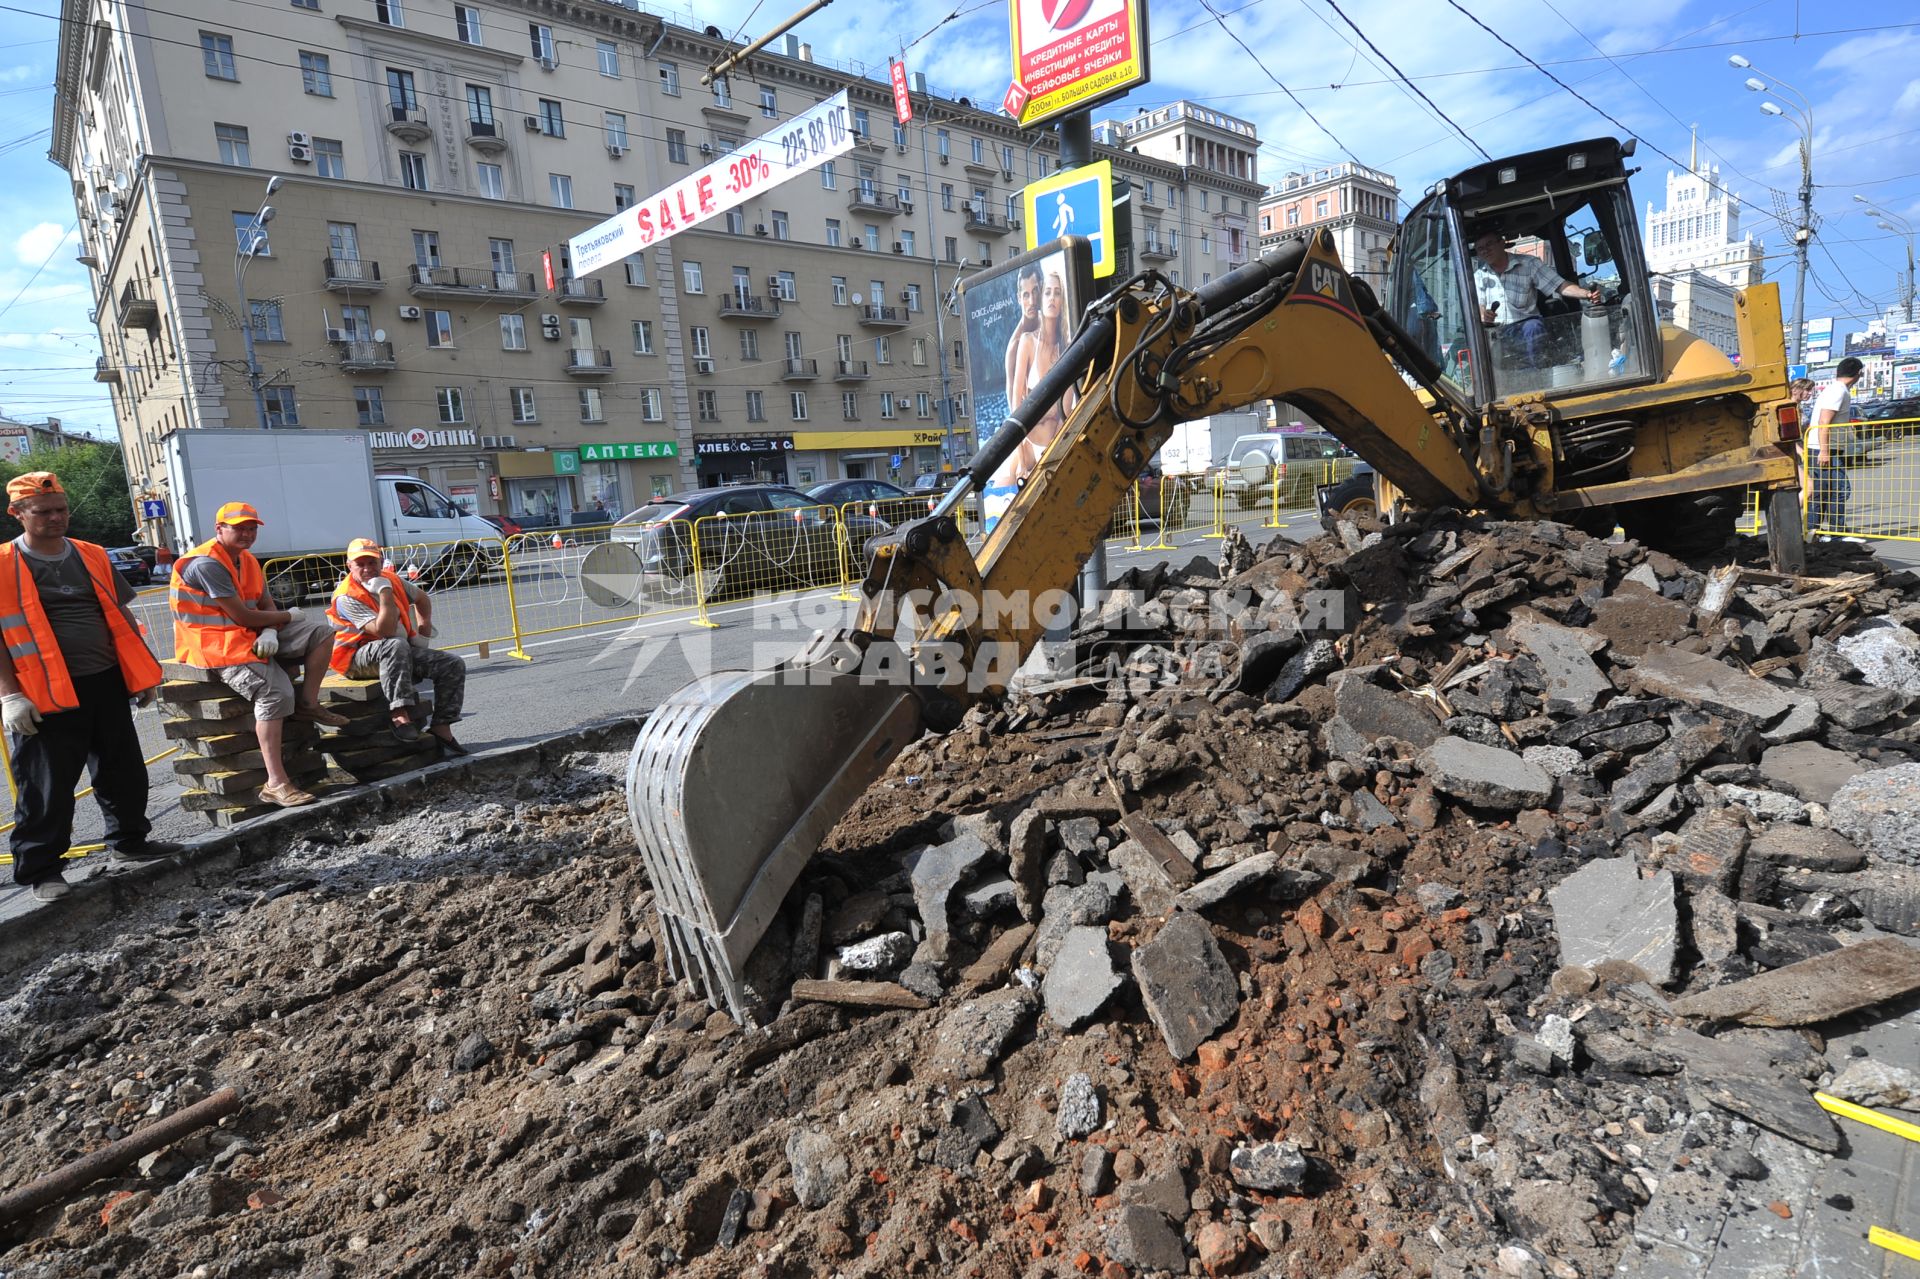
(39, 243)
(14, 75)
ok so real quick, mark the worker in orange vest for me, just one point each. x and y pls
(73, 658)
(381, 625)
(225, 621)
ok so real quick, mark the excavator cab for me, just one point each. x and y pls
(1526, 276)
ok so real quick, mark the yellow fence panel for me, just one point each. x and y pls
(762, 553)
(1869, 484)
(472, 604)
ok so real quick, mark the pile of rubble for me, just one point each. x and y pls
(1423, 900)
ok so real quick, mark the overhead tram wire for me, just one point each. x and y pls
(1294, 98)
(1403, 79)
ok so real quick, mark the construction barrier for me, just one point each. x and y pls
(1870, 485)
(758, 553)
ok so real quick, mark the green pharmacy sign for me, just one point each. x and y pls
(628, 452)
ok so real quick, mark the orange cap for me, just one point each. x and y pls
(238, 513)
(32, 484)
(361, 546)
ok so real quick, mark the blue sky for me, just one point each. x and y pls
(1657, 66)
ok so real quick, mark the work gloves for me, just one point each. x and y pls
(146, 697)
(21, 715)
(268, 644)
(418, 640)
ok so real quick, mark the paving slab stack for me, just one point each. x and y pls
(219, 762)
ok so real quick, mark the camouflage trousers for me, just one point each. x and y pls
(397, 663)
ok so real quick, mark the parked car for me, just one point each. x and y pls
(1889, 410)
(879, 498)
(506, 526)
(148, 555)
(129, 565)
(752, 539)
(1295, 462)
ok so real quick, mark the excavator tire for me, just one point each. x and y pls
(1352, 498)
(1687, 525)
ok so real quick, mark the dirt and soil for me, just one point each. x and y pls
(461, 1054)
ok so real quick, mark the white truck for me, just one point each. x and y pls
(316, 491)
(1202, 443)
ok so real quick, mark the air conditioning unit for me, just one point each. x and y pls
(531, 123)
(299, 154)
(509, 441)
(339, 335)
(906, 206)
(901, 147)
(615, 150)
(551, 332)
(898, 247)
(773, 284)
(902, 402)
(550, 320)
(547, 63)
(906, 295)
(299, 139)
(945, 158)
(489, 441)
(859, 244)
(409, 312)
(759, 228)
(706, 148)
(702, 364)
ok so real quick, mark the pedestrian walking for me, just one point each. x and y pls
(1826, 451)
(381, 625)
(74, 657)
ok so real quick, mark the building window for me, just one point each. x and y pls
(232, 140)
(873, 237)
(882, 350)
(943, 143)
(540, 42)
(389, 12)
(677, 146)
(266, 322)
(899, 136)
(426, 249)
(952, 249)
(439, 328)
(402, 101)
(513, 332)
(913, 294)
(670, 79)
(1006, 166)
(906, 243)
(918, 353)
(768, 103)
(833, 233)
(1293, 215)
(560, 185)
(690, 275)
(368, 407)
(787, 288)
(827, 178)
(749, 344)
(329, 158)
(923, 405)
(984, 251)
(722, 91)
(643, 337)
(306, 4)
(523, 409)
(636, 266)
(466, 24)
(702, 342)
(623, 199)
(1205, 245)
(799, 406)
(979, 151)
(736, 222)
(551, 122)
(886, 406)
(216, 52)
(609, 58)
(839, 290)
(281, 410)
(590, 408)
(413, 170)
(616, 126)
(861, 128)
(1046, 166)
(250, 236)
(706, 406)
(451, 404)
(782, 229)
(650, 402)
(756, 407)
(316, 75)
(850, 406)
(492, 182)
(1319, 207)
(946, 196)
(479, 105)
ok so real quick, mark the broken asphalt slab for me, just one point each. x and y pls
(1814, 990)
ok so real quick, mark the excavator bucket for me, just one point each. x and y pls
(732, 785)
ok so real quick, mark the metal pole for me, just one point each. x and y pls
(735, 58)
(1076, 149)
(240, 261)
(1801, 236)
(108, 1160)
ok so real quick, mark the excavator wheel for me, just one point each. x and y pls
(1352, 498)
(1688, 525)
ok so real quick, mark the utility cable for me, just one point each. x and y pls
(1291, 96)
(1403, 79)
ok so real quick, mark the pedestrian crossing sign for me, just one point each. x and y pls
(1075, 202)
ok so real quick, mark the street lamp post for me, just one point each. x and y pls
(251, 237)
(1901, 227)
(1802, 117)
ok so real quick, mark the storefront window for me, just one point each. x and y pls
(538, 498)
(601, 482)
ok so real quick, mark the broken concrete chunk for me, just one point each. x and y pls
(970, 1129)
(886, 953)
(974, 1035)
(1184, 980)
(1369, 814)
(1554, 761)
(1867, 1082)
(1810, 770)
(1700, 681)
(1605, 911)
(1147, 878)
(1278, 1167)
(1484, 775)
(1808, 848)
(1080, 978)
(1745, 1078)
(1144, 1240)
(1310, 665)
(1079, 1113)
(819, 1168)
(1230, 882)
(1373, 713)
(1635, 621)
(1574, 684)
(1880, 812)
(1857, 705)
(1813, 990)
(1886, 654)
(937, 871)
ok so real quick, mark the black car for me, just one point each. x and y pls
(877, 498)
(745, 539)
(1890, 410)
(129, 565)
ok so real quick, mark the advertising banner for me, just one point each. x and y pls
(1070, 54)
(779, 155)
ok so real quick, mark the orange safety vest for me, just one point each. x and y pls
(37, 661)
(204, 636)
(347, 638)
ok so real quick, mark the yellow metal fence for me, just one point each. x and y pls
(1865, 481)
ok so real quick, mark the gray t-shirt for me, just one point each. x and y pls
(205, 573)
(73, 609)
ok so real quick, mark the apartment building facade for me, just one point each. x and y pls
(435, 157)
(1358, 206)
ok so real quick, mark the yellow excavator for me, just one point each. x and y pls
(1576, 403)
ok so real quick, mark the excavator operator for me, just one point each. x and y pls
(1508, 285)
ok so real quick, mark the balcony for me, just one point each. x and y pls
(882, 317)
(984, 223)
(594, 362)
(104, 372)
(361, 356)
(795, 369)
(746, 306)
(484, 136)
(851, 371)
(137, 310)
(1154, 251)
(577, 292)
(353, 275)
(873, 200)
(408, 123)
(467, 282)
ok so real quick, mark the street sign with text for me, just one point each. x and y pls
(1070, 54)
(902, 102)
